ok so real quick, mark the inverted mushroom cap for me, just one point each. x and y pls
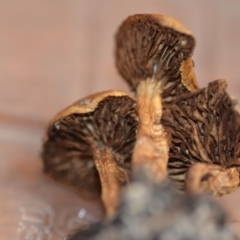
(158, 47)
(104, 120)
(205, 128)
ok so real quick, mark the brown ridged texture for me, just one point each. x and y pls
(204, 128)
(76, 141)
(156, 47)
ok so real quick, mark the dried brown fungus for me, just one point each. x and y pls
(151, 46)
(205, 140)
(193, 132)
(153, 54)
(89, 145)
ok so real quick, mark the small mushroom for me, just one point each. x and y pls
(205, 135)
(89, 145)
(153, 54)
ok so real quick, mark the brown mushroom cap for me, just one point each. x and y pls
(107, 119)
(158, 47)
(205, 128)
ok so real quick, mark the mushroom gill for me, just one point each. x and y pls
(204, 128)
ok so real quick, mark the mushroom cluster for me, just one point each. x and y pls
(200, 127)
(172, 129)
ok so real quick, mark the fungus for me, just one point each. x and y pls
(205, 140)
(89, 145)
(153, 54)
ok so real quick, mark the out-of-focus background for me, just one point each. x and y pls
(53, 52)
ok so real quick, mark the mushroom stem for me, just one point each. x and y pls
(211, 179)
(151, 148)
(112, 177)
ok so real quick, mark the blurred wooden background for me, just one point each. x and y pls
(53, 52)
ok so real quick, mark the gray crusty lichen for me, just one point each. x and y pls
(151, 212)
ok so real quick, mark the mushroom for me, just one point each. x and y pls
(89, 145)
(154, 56)
(205, 135)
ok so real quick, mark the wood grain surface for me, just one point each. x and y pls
(53, 52)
